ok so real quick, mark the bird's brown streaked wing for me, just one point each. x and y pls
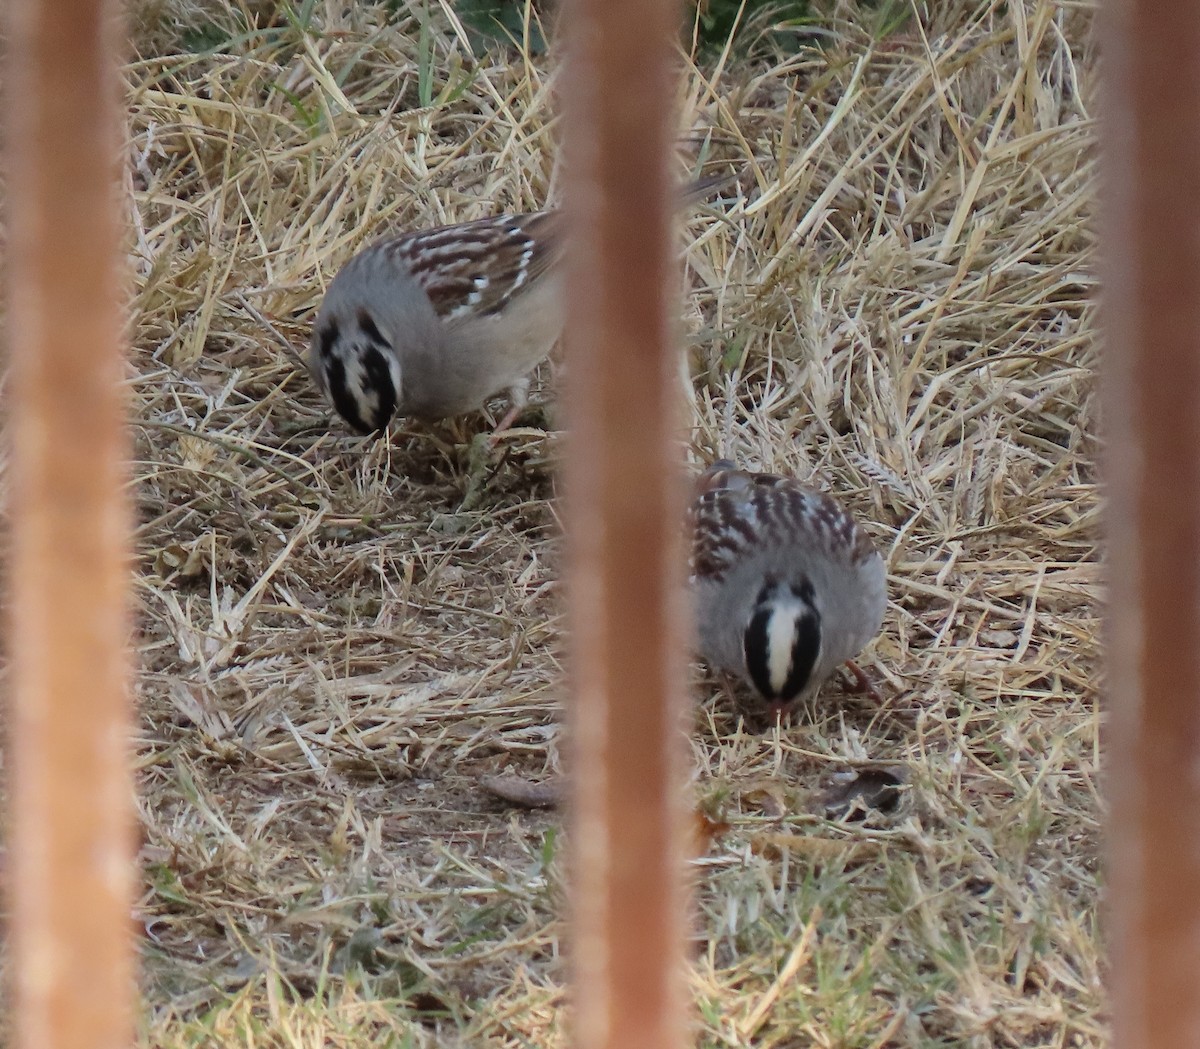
(723, 524)
(735, 510)
(477, 268)
(841, 530)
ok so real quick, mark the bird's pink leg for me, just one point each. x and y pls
(861, 683)
(510, 417)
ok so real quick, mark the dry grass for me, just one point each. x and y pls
(334, 653)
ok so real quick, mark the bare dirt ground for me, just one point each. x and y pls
(334, 652)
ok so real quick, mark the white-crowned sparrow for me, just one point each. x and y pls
(435, 322)
(786, 584)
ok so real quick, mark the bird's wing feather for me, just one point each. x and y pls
(736, 511)
(475, 269)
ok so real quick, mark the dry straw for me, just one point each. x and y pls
(335, 656)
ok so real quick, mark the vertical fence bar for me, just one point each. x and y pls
(1151, 258)
(68, 624)
(624, 523)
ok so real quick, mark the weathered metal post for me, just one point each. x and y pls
(1151, 253)
(70, 840)
(625, 526)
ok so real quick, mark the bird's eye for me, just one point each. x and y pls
(370, 329)
(328, 339)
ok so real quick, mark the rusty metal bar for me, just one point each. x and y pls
(624, 524)
(1151, 259)
(70, 824)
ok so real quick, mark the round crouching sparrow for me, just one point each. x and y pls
(786, 585)
(434, 323)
